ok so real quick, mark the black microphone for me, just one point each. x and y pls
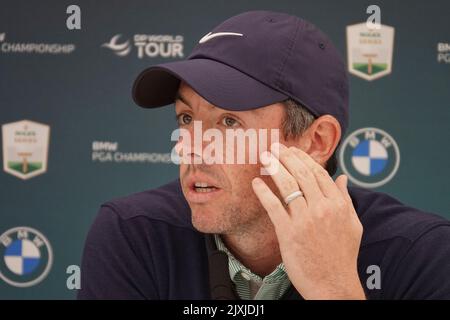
(220, 283)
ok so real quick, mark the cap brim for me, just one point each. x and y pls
(220, 84)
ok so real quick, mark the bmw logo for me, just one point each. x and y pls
(370, 157)
(26, 257)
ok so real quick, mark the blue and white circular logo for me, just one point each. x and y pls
(27, 256)
(370, 157)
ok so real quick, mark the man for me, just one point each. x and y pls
(226, 231)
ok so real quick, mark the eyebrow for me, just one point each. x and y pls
(179, 96)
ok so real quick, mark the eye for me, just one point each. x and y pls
(230, 122)
(183, 119)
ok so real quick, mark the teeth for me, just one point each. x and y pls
(202, 189)
(201, 184)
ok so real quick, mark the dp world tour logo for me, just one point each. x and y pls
(147, 45)
(369, 51)
(26, 257)
(369, 157)
(121, 49)
(25, 148)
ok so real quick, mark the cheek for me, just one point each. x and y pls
(240, 177)
(183, 169)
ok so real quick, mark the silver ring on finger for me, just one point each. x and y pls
(294, 195)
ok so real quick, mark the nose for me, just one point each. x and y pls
(187, 152)
(190, 144)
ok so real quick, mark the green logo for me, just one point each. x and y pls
(369, 52)
(25, 148)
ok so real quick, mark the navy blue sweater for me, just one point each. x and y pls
(144, 246)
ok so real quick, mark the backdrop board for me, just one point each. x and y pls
(72, 138)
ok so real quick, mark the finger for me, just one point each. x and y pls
(301, 173)
(275, 209)
(284, 181)
(324, 181)
(342, 184)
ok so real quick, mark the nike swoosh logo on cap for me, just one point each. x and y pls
(211, 35)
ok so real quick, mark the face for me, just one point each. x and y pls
(220, 195)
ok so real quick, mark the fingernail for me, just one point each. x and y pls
(256, 181)
(276, 147)
(265, 158)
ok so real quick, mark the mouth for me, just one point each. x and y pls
(203, 187)
(201, 190)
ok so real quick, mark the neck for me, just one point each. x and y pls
(257, 248)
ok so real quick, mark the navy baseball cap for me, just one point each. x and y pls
(252, 60)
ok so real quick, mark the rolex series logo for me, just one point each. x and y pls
(369, 51)
(25, 148)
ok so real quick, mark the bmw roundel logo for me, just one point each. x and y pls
(370, 157)
(26, 257)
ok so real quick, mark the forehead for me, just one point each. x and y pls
(185, 88)
(189, 96)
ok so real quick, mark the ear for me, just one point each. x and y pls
(321, 138)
